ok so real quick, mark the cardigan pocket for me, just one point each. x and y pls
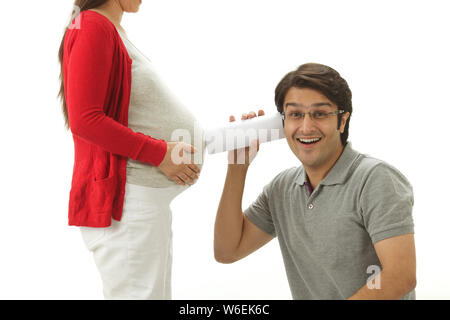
(103, 194)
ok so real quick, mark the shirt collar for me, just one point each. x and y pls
(339, 172)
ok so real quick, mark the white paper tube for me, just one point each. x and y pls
(239, 134)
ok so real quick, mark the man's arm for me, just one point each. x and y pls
(235, 236)
(398, 276)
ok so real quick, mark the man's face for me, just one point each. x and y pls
(315, 142)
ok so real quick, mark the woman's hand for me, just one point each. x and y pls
(245, 155)
(177, 164)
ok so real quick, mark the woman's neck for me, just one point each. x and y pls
(113, 11)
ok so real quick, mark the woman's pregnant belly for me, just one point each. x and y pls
(144, 174)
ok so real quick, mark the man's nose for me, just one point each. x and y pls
(307, 123)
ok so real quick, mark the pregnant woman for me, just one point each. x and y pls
(125, 174)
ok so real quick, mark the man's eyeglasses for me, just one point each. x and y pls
(315, 115)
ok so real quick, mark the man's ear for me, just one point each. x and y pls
(344, 119)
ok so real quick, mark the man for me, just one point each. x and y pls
(343, 219)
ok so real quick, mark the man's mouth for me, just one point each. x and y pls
(308, 141)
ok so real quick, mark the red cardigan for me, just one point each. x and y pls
(97, 82)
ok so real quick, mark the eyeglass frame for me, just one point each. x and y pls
(337, 112)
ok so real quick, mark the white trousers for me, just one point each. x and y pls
(134, 255)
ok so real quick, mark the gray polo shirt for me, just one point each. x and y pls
(326, 237)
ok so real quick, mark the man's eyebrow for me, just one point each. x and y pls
(318, 104)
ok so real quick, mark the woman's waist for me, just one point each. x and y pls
(151, 195)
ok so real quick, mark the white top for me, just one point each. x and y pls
(156, 112)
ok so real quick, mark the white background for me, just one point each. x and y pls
(222, 58)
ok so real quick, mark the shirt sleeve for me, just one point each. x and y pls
(89, 69)
(386, 203)
(259, 212)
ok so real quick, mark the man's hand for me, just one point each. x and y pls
(235, 237)
(245, 156)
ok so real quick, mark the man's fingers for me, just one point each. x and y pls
(249, 115)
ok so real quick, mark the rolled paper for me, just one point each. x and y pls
(239, 134)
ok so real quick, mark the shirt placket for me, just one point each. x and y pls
(311, 204)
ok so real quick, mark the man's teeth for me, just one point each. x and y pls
(308, 140)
